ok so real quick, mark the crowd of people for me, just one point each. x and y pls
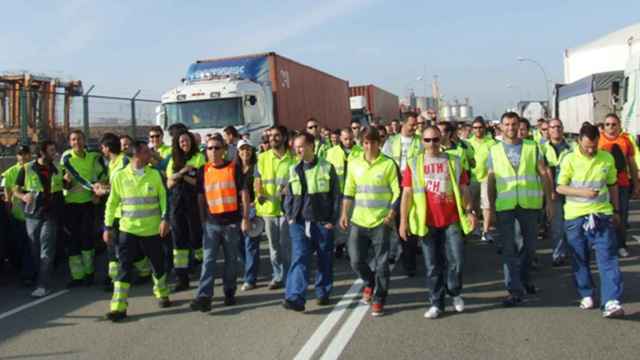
(376, 195)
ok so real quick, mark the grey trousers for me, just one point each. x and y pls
(42, 235)
(277, 231)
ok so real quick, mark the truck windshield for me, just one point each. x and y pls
(203, 114)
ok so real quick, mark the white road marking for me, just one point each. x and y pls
(637, 237)
(329, 322)
(32, 304)
(345, 334)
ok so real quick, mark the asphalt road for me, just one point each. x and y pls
(548, 325)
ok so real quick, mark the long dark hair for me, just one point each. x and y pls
(252, 161)
(179, 157)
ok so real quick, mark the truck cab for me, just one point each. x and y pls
(207, 102)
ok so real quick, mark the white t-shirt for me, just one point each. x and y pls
(405, 142)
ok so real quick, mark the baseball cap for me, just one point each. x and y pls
(242, 143)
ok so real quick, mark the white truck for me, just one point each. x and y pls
(252, 93)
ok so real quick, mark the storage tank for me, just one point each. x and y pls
(464, 111)
(455, 111)
(445, 111)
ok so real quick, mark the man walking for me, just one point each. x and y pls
(616, 142)
(39, 186)
(139, 192)
(517, 176)
(81, 171)
(588, 180)
(371, 186)
(222, 188)
(481, 142)
(339, 156)
(554, 151)
(312, 206)
(272, 174)
(436, 207)
(321, 146)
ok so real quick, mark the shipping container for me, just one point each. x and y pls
(382, 105)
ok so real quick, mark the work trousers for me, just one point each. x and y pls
(81, 248)
(186, 230)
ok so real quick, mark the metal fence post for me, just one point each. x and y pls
(133, 114)
(85, 113)
(24, 118)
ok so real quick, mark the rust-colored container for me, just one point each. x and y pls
(301, 92)
(381, 104)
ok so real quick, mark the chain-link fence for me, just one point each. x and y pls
(27, 116)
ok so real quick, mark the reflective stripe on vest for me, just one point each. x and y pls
(603, 195)
(144, 200)
(522, 188)
(318, 178)
(220, 187)
(139, 214)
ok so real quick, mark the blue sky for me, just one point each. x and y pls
(122, 46)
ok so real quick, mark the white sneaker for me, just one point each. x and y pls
(247, 287)
(613, 309)
(432, 313)
(623, 253)
(40, 292)
(586, 303)
(458, 303)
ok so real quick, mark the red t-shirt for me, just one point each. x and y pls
(442, 210)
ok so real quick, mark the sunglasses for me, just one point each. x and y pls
(431, 140)
(555, 127)
(610, 124)
(154, 136)
(478, 127)
(355, 127)
(214, 148)
(312, 127)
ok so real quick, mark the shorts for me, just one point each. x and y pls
(480, 195)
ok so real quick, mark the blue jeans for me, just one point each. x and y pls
(516, 250)
(558, 235)
(302, 247)
(250, 256)
(228, 236)
(361, 239)
(443, 250)
(604, 244)
(43, 234)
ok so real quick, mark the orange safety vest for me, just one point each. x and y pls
(220, 188)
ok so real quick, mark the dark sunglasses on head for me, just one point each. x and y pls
(430, 140)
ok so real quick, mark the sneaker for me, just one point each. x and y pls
(40, 292)
(202, 304)
(613, 309)
(247, 287)
(116, 316)
(623, 253)
(486, 238)
(322, 301)
(274, 285)
(164, 302)
(586, 303)
(75, 283)
(458, 303)
(290, 305)
(432, 313)
(367, 294)
(511, 301)
(229, 299)
(377, 309)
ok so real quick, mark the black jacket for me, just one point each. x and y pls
(324, 207)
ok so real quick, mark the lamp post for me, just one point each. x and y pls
(546, 78)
